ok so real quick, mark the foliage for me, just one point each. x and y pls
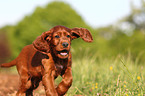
(130, 34)
(137, 16)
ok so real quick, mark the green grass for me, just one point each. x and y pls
(93, 75)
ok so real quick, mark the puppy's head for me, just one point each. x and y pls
(58, 40)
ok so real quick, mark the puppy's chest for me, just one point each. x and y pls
(60, 68)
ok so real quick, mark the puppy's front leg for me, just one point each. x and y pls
(66, 82)
(48, 77)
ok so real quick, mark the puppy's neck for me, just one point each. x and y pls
(57, 60)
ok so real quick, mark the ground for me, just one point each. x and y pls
(9, 84)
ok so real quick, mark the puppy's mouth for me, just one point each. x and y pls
(63, 52)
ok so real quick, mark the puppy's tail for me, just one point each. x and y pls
(10, 64)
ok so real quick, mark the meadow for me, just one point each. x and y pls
(96, 76)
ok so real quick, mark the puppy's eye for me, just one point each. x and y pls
(68, 36)
(56, 36)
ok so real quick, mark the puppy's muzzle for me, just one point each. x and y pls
(65, 44)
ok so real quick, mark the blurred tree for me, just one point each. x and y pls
(4, 47)
(137, 17)
(130, 34)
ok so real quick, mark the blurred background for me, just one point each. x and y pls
(118, 27)
(113, 65)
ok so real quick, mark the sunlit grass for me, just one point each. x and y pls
(117, 76)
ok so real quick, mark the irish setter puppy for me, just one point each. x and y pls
(45, 59)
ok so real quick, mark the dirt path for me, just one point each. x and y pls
(9, 84)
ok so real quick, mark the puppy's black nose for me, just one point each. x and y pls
(64, 44)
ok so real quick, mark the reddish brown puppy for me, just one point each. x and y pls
(45, 59)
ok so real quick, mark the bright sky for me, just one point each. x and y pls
(95, 12)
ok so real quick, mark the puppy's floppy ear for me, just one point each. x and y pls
(83, 33)
(41, 43)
